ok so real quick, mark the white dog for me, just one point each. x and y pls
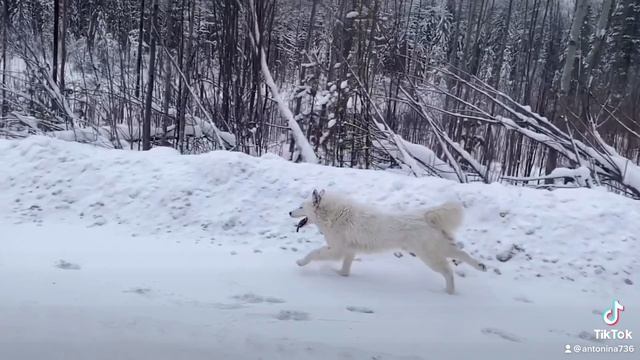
(350, 228)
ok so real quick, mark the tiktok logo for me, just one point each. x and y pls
(611, 316)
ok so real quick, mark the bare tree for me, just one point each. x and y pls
(139, 55)
(599, 37)
(5, 29)
(56, 38)
(567, 73)
(302, 143)
(148, 108)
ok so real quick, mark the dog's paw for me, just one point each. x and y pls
(301, 262)
(482, 267)
(450, 291)
(343, 273)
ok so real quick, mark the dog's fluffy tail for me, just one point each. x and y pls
(447, 217)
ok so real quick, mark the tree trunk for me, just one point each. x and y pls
(600, 34)
(307, 44)
(572, 47)
(303, 70)
(186, 70)
(567, 74)
(167, 78)
(303, 145)
(146, 125)
(139, 57)
(56, 33)
(5, 26)
(62, 43)
(496, 71)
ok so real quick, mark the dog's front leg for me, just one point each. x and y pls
(323, 253)
(346, 264)
(307, 259)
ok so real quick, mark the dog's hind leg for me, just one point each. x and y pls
(441, 266)
(323, 253)
(463, 256)
(346, 264)
(447, 273)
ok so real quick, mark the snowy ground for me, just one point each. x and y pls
(115, 255)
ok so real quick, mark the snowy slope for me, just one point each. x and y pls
(115, 254)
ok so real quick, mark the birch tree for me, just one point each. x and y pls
(567, 73)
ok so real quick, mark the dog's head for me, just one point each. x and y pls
(308, 208)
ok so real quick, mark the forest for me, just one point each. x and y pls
(541, 93)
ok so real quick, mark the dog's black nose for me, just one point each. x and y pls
(290, 213)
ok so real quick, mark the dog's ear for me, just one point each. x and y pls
(317, 197)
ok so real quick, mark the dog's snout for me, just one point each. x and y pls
(290, 213)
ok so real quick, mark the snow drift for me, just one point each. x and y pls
(575, 233)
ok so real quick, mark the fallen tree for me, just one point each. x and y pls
(494, 108)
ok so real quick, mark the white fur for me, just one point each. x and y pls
(351, 228)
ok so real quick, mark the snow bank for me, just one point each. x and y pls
(230, 197)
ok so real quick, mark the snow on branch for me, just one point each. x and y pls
(427, 158)
(579, 177)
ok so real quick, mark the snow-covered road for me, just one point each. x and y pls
(76, 293)
(117, 255)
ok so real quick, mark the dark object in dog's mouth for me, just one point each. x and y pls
(302, 223)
